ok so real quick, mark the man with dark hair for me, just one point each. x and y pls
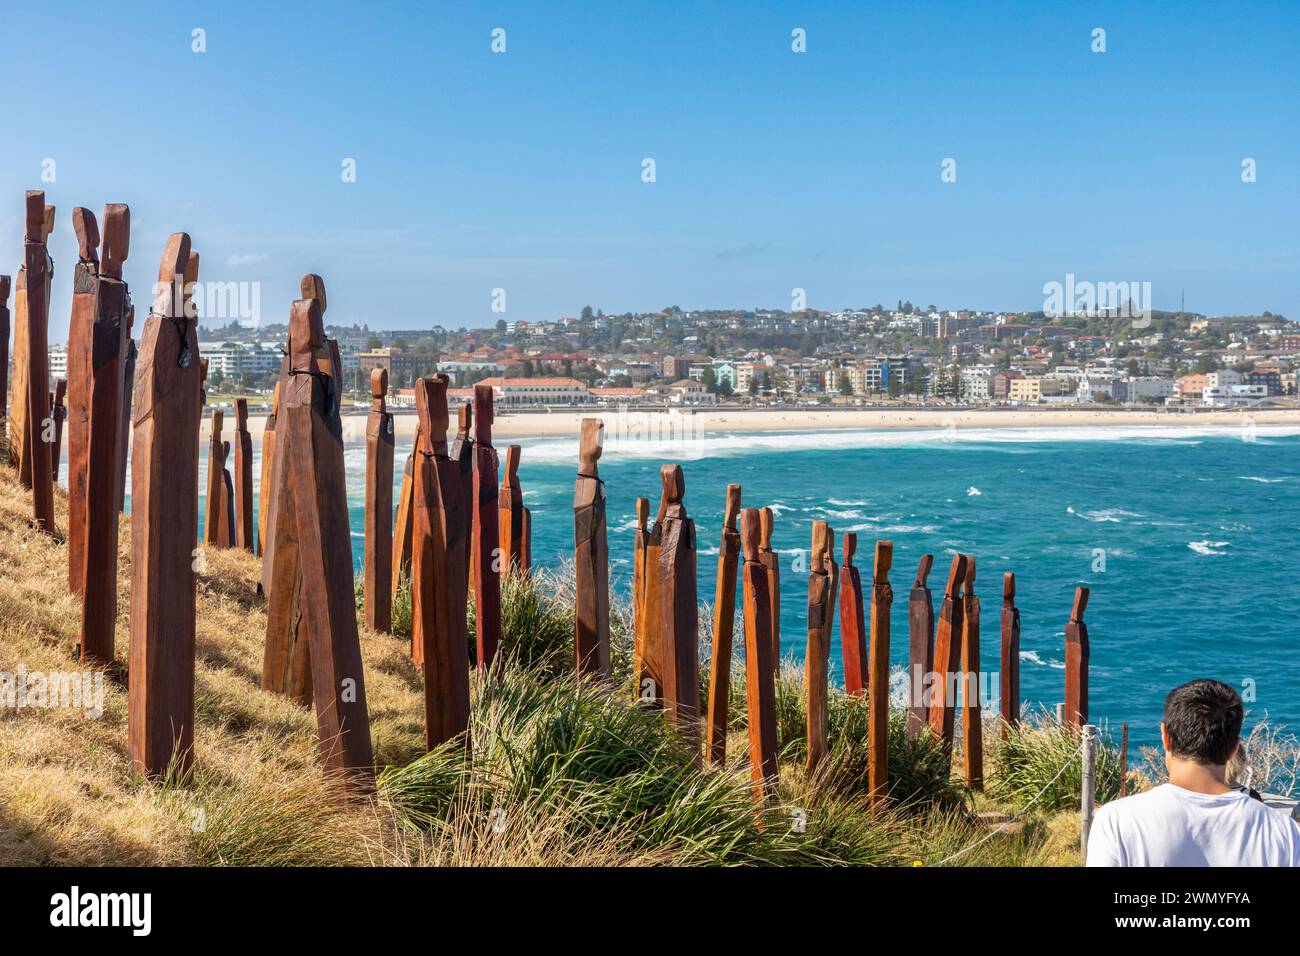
(1197, 818)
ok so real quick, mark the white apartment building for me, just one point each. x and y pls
(976, 383)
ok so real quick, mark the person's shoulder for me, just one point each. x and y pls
(1146, 800)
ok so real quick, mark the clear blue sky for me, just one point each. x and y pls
(775, 170)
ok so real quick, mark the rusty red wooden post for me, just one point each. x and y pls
(128, 390)
(5, 328)
(378, 562)
(102, 452)
(215, 530)
(882, 600)
(404, 523)
(512, 517)
(243, 478)
(227, 499)
(920, 646)
(164, 515)
(17, 408)
(724, 621)
(853, 623)
(1077, 655)
(772, 562)
(590, 556)
(760, 683)
(971, 724)
(80, 337)
(946, 662)
(39, 222)
(439, 590)
(264, 489)
(39, 423)
(654, 653)
(462, 452)
(679, 612)
(1123, 760)
(487, 534)
(640, 542)
(1010, 682)
(822, 582)
(59, 413)
(312, 437)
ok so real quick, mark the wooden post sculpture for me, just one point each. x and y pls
(80, 337)
(439, 590)
(462, 452)
(822, 581)
(947, 654)
(920, 646)
(760, 682)
(58, 412)
(311, 447)
(513, 519)
(216, 524)
(378, 562)
(128, 391)
(971, 724)
(5, 328)
(18, 405)
(96, 575)
(487, 534)
(404, 524)
(853, 623)
(40, 271)
(882, 599)
(227, 498)
(243, 478)
(264, 481)
(590, 556)
(164, 514)
(1010, 684)
(640, 541)
(678, 611)
(39, 222)
(724, 620)
(1077, 655)
(772, 561)
(654, 655)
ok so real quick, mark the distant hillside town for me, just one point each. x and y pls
(852, 357)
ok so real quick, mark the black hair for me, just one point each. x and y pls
(1203, 720)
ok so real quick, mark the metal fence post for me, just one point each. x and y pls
(1088, 789)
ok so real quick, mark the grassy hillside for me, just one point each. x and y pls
(561, 773)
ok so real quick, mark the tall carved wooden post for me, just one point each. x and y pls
(882, 599)
(59, 413)
(920, 647)
(40, 271)
(378, 570)
(216, 531)
(439, 590)
(1010, 684)
(164, 514)
(487, 533)
(772, 561)
(678, 611)
(590, 556)
(462, 452)
(128, 391)
(640, 542)
(18, 405)
(1077, 656)
(853, 623)
(227, 498)
(39, 222)
(264, 489)
(971, 724)
(100, 458)
(947, 654)
(514, 520)
(311, 440)
(404, 523)
(724, 620)
(822, 581)
(243, 478)
(655, 658)
(760, 682)
(80, 338)
(5, 328)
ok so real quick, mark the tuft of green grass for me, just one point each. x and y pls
(536, 623)
(1037, 766)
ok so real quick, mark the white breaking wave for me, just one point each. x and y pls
(1033, 658)
(1208, 547)
(972, 492)
(1103, 515)
(1267, 481)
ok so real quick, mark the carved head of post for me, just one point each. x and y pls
(60, 391)
(87, 232)
(850, 547)
(34, 220)
(732, 509)
(168, 299)
(1080, 605)
(438, 414)
(510, 475)
(312, 286)
(923, 570)
(306, 338)
(225, 452)
(241, 415)
(674, 483)
(4, 290)
(191, 284)
(424, 402)
(1009, 588)
(591, 440)
(884, 561)
(968, 579)
(203, 370)
(642, 515)
(218, 422)
(956, 574)
(483, 414)
(766, 522)
(823, 543)
(47, 228)
(464, 417)
(117, 239)
(750, 532)
(378, 388)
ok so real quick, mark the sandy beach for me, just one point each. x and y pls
(696, 421)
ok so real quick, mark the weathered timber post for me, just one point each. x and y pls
(882, 599)
(971, 724)
(679, 612)
(40, 272)
(216, 532)
(378, 562)
(102, 452)
(947, 654)
(164, 514)
(853, 623)
(462, 452)
(654, 655)
(39, 222)
(59, 413)
(1010, 684)
(6, 324)
(1077, 655)
(312, 440)
(513, 519)
(404, 523)
(920, 646)
(760, 682)
(18, 407)
(264, 488)
(439, 590)
(487, 533)
(822, 581)
(80, 339)
(590, 556)
(724, 621)
(772, 562)
(227, 498)
(128, 391)
(243, 478)
(640, 541)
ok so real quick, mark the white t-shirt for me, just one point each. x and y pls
(1170, 826)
